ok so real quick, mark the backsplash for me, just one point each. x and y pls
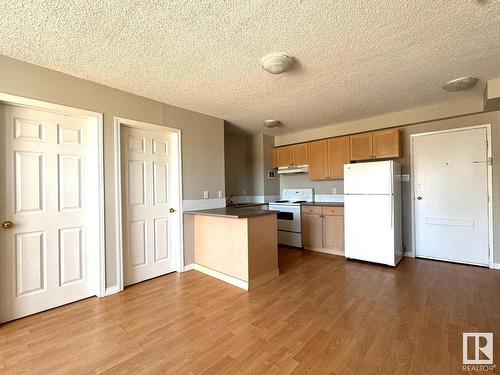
(203, 204)
(322, 189)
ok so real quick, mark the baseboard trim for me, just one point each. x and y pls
(496, 266)
(111, 290)
(263, 279)
(222, 276)
(188, 267)
(409, 255)
(325, 251)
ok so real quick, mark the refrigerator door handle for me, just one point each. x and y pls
(392, 210)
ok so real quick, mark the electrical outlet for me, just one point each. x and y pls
(219, 194)
(334, 190)
(205, 194)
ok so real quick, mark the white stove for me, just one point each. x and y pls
(289, 215)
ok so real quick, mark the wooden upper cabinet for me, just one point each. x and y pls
(284, 156)
(338, 155)
(382, 144)
(318, 160)
(386, 144)
(275, 158)
(361, 146)
(299, 154)
(326, 158)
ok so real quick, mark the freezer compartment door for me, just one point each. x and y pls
(369, 228)
(368, 178)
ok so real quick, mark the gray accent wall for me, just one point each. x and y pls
(248, 158)
(202, 135)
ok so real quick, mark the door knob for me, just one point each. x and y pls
(172, 210)
(7, 224)
(419, 198)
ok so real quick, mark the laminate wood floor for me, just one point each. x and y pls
(323, 315)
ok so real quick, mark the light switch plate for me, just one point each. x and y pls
(405, 177)
(205, 194)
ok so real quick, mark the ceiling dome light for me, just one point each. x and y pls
(460, 84)
(271, 124)
(276, 63)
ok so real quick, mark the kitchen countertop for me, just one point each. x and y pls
(324, 204)
(232, 212)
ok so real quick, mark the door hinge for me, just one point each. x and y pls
(490, 161)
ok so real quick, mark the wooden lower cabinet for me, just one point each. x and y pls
(312, 231)
(323, 229)
(333, 233)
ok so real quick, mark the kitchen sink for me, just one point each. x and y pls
(240, 204)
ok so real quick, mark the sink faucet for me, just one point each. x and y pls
(229, 198)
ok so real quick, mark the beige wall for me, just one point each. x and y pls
(202, 136)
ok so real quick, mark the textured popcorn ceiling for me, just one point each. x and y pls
(355, 58)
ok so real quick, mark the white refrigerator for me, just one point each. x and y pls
(372, 212)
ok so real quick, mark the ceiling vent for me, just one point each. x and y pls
(276, 63)
(271, 124)
(460, 84)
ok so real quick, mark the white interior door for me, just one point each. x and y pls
(149, 185)
(451, 196)
(50, 194)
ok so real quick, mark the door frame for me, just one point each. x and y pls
(99, 280)
(179, 256)
(491, 263)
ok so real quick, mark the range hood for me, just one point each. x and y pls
(295, 169)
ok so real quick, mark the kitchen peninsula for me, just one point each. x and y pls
(238, 246)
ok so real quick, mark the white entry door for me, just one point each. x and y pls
(49, 208)
(149, 204)
(451, 196)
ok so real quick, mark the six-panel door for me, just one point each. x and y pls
(51, 195)
(146, 201)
